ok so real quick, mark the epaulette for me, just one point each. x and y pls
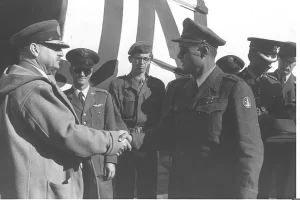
(101, 90)
(272, 77)
(232, 77)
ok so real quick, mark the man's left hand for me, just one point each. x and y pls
(109, 171)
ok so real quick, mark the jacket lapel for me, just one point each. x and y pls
(90, 100)
(289, 85)
(212, 82)
(74, 99)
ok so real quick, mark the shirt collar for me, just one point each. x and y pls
(201, 79)
(85, 91)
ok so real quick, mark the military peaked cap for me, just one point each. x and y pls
(82, 57)
(196, 33)
(288, 49)
(267, 49)
(42, 32)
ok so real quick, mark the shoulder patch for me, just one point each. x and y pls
(247, 102)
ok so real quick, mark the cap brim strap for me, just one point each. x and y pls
(267, 58)
(58, 42)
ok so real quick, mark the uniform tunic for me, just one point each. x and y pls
(213, 135)
(98, 113)
(140, 109)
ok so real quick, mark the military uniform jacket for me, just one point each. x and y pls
(42, 142)
(98, 113)
(214, 138)
(288, 94)
(266, 93)
(138, 106)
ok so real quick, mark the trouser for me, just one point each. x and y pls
(136, 170)
(105, 188)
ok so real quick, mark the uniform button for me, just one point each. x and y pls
(84, 114)
(84, 123)
(181, 154)
(99, 112)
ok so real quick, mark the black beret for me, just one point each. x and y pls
(140, 47)
(82, 57)
(231, 64)
(41, 32)
(267, 49)
(196, 33)
(288, 49)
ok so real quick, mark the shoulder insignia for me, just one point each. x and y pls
(232, 77)
(101, 90)
(247, 102)
(273, 77)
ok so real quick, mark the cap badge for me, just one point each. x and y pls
(247, 102)
(84, 53)
(58, 30)
(230, 59)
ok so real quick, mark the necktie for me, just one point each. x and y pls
(81, 98)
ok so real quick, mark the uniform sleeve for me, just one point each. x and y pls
(56, 125)
(250, 146)
(110, 124)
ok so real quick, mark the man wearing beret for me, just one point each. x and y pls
(211, 126)
(42, 144)
(94, 108)
(230, 64)
(138, 97)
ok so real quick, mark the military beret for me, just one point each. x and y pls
(140, 47)
(288, 49)
(230, 64)
(41, 32)
(267, 49)
(82, 57)
(196, 33)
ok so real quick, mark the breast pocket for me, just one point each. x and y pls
(98, 116)
(213, 115)
(129, 104)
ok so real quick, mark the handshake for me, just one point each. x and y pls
(124, 142)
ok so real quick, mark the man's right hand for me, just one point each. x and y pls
(125, 139)
(166, 161)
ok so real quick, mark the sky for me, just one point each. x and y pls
(236, 20)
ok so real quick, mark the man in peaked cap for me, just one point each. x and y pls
(94, 108)
(42, 143)
(267, 91)
(211, 126)
(286, 64)
(230, 64)
(138, 97)
(285, 153)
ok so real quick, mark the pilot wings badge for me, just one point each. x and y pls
(98, 105)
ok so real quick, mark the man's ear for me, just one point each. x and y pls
(130, 59)
(34, 49)
(203, 51)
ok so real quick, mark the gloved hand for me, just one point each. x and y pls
(166, 161)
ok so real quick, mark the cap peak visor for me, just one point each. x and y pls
(57, 42)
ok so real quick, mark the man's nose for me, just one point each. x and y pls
(60, 53)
